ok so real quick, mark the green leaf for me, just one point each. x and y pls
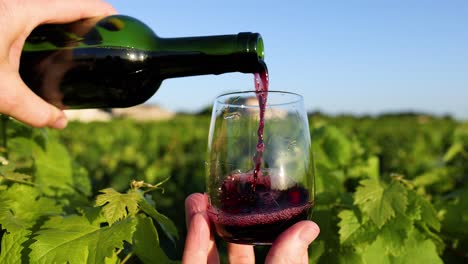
(21, 147)
(348, 224)
(164, 222)
(329, 239)
(17, 177)
(6, 168)
(395, 232)
(381, 202)
(146, 242)
(12, 223)
(441, 175)
(454, 214)
(453, 151)
(347, 255)
(428, 212)
(354, 232)
(329, 181)
(369, 168)
(337, 146)
(81, 180)
(73, 239)
(418, 249)
(376, 253)
(117, 206)
(413, 210)
(7, 219)
(23, 206)
(436, 239)
(53, 168)
(114, 259)
(93, 214)
(11, 250)
(316, 251)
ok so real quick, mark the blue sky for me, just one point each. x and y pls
(349, 56)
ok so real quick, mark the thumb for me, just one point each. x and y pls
(21, 103)
(291, 246)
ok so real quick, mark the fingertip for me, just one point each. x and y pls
(46, 115)
(196, 199)
(60, 123)
(109, 8)
(33, 111)
(195, 203)
(305, 231)
(309, 231)
(293, 243)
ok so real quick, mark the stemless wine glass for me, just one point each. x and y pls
(249, 206)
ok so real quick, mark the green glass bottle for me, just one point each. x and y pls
(118, 61)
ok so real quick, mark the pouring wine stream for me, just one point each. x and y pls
(261, 88)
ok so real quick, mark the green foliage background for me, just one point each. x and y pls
(390, 189)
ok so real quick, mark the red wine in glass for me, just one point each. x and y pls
(246, 216)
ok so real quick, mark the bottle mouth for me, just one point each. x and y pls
(253, 42)
(259, 47)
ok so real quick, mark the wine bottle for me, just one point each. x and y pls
(118, 61)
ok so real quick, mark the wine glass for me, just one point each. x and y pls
(259, 183)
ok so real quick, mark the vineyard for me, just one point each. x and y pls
(389, 189)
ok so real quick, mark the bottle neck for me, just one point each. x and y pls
(177, 57)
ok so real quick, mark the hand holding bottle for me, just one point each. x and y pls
(118, 61)
(290, 247)
(17, 20)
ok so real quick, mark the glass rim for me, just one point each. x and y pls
(298, 98)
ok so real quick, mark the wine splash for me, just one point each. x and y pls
(261, 89)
